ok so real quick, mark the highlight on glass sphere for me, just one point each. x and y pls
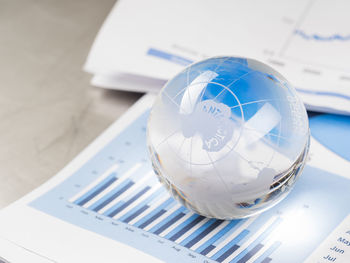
(228, 137)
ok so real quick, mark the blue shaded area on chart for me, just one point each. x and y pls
(317, 204)
(333, 132)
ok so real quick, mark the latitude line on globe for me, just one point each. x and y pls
(219, 94)
(240, 77)
(256, 101)
(214, 71)
(233, 82)
(187, 73)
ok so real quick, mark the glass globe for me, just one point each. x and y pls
(228, 137)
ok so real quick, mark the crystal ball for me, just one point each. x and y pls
(228, 137)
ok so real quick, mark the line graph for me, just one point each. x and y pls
(317, 37)
(321, 36)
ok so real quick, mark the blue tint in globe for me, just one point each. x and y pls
(228, 137)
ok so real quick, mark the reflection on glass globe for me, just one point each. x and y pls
(228, 137)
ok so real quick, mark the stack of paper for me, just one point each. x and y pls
(144, 43)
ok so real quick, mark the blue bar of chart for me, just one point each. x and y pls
(141, 195)
(117, 195)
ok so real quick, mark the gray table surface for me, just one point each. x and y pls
(48, 110)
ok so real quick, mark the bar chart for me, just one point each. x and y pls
(117, 195)
(138, 199)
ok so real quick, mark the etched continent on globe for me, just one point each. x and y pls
(228, 137)
(211, 121)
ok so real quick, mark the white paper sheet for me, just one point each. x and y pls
(58, 223)
(307, 41)
(128, 82)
